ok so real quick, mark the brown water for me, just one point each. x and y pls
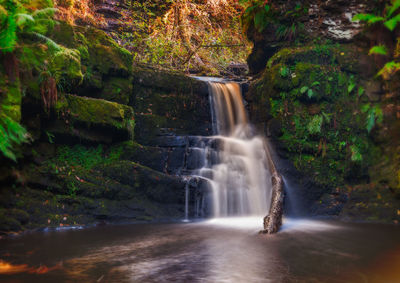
(209, 251)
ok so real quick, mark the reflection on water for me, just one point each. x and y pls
(218, 250)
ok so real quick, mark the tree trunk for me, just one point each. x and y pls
(273, 221)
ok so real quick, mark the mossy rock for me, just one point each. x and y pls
(152, 157)
(90, 118)
(155, 185)
(99, 52)
(314, 54)
(168, 81)
(65, 65)
(117, 89)
(314, 102)
(372, 203)
(170, 109)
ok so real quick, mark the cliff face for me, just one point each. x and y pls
(333, 122)
(109, 148)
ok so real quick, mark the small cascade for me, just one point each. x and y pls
(187, 193)
(234, 163)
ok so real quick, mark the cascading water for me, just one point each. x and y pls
(236, 162)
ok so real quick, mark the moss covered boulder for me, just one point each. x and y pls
(311, 103)
(106, 66)
(92, 119)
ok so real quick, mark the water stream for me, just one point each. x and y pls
(236, 162)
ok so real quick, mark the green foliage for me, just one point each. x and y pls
(284, 71)
(369, 18)
(390, 20)
(80, 156)
(12, 134)
(374, 115)
(257, 12)
(17, 20)
(310, 90)
(83, 157)
(351, 86)
(389, 69)
(379, 49)
(355, 153)
(260, 14)
(314, 127)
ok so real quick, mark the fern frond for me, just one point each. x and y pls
(393, 8)
(389, 69)
(23, 18)
(46, 12)
(8, 35)
(378, 49)
(315, 124)
(50, 43)
(369, 18)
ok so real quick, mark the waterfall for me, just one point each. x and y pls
(237, 164)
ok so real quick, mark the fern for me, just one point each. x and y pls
(355, 153)
(49, 42)
(46, 12)
(393, 8)
(369, 18)
(8, 34)
(392, 23)
(374, 115)
(315, 125)
(379, 49)
(389, 70)
(12, 134)
(23, 18)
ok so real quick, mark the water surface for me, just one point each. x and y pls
(219, 250)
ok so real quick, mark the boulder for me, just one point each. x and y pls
(90, 119)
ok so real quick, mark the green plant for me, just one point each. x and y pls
(374, 115)
(351, 86)
(11, 133)
(310, 90)
(284, 71)
(314, 126)
(257, 12)
(16, 21)
(50, 137)
(355, 153)
(390, 20)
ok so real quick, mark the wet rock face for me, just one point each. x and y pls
(333, 19)
(169, 105)
(321, 19)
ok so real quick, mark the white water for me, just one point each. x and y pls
(238, 174)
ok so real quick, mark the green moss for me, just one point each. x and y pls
(117, 90)
(96, 111)
(65, 65)
(320, 54)
(322, 127)
(99, 52)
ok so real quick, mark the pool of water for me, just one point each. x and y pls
(218, 250)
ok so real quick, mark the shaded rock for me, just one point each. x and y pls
(152, 157)
(155, 185)
(92, 119)
(117, 89)
(169, 81)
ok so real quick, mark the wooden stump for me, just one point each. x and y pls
(273, 221)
